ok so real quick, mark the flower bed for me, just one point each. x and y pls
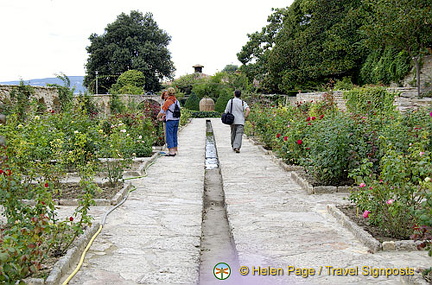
(383, 155)
(41, 149)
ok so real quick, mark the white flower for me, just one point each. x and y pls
(37, 117)
(427, 179)
(123, 131)
(76, 132)
(140, 137)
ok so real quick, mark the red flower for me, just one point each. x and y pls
(299, 142)
(313, 118)
(71, 219)
(366, 214)
(285, 138)
(308, 119)
(8, 172)
(46, 185)
(322, 116)
(278, 135)
(1, 171)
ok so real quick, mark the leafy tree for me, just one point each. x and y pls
(230, 68)
(130, 82)
(254, 55)
(186, 82)
(404, 25)
(318, 42)
(132, 42)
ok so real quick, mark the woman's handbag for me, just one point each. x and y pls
(228, 118)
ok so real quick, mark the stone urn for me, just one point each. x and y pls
(206, 104)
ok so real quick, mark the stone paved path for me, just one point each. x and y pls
(154, 237)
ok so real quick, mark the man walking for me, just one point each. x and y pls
(240, 110)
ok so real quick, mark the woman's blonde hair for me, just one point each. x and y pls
(171, 91)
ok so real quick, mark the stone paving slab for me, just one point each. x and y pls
(276, 223)
(154, 237)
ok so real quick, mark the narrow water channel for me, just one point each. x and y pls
(217, 245)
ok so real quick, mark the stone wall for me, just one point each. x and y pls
(102, 100)
(50, 97)
(425, 76)
(46, 95)
(406, 99)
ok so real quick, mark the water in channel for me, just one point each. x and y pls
(217, 244)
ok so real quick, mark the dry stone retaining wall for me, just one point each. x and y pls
(406, 99)
(50, 97)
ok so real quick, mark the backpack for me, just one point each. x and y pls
(176, 113)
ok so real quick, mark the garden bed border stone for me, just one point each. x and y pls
(297, 173)
(66, 262)
(99, 202)
(367, 239)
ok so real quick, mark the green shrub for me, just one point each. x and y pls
(369, 101)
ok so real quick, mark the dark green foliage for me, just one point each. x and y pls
(385, 66)
(222, 101)
(133, 41)
(312, 44)
(192, 102)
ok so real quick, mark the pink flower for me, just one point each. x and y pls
(430, 114)
(389, 201)
(422, 153)
(366, 214)
(361, 185)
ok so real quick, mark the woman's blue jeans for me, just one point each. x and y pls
(171, 129)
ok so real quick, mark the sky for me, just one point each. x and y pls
(44, 38)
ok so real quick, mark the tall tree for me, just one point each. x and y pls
(318, 43)
(402, 25)
(132, 42)
(254, 54)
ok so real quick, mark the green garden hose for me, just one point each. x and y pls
(81, 261)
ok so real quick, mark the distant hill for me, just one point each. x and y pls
(76, 82)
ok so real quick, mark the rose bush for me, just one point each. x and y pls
(41, 147)
(385, 152)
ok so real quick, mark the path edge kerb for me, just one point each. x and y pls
(66, 262)
(363, 236)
